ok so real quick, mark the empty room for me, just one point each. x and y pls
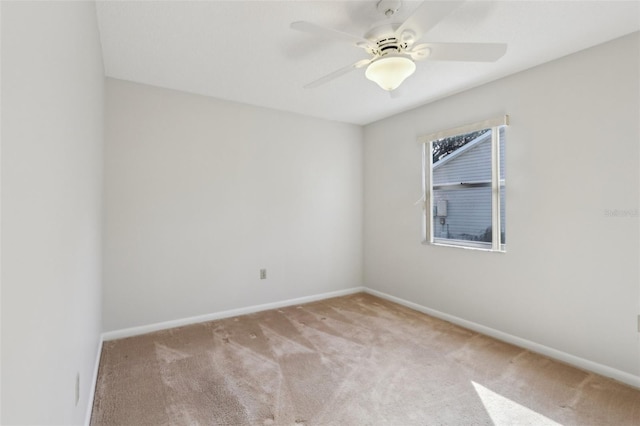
(335, 212)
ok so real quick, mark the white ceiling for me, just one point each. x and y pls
(244, 51)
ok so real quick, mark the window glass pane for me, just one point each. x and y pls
(464, 158)
(463, 214)
(461, 176)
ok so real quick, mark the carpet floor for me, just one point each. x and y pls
(353, 360)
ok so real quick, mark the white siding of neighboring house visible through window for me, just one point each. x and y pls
(468, 213)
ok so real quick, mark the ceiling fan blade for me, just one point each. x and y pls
(310, 28)
(466, 52)
(427, 16)
(327, 78)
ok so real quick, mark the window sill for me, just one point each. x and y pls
(465, 245)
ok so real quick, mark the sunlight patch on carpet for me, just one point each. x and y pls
(504, 411)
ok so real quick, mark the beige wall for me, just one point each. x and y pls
(201, 194)
(52, 114)
(569, 279)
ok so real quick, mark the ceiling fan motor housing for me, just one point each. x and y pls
(386, 41)
(390, 45)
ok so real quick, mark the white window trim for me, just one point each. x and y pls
(427, 168)
(467, 128)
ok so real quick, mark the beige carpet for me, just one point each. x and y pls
(354, 360)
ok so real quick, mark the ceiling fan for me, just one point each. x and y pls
(394, 47)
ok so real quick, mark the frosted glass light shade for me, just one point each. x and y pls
(390, 71)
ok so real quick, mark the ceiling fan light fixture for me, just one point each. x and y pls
(389, 72)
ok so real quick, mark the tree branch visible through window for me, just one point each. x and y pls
(443, 147)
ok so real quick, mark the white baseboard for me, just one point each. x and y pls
(143, 329)
(94, 382)
(582, 363)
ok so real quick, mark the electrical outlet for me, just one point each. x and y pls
(77, 388)
(263, 274)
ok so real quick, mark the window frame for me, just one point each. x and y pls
(496, 184)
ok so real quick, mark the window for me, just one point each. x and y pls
(464, 186)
